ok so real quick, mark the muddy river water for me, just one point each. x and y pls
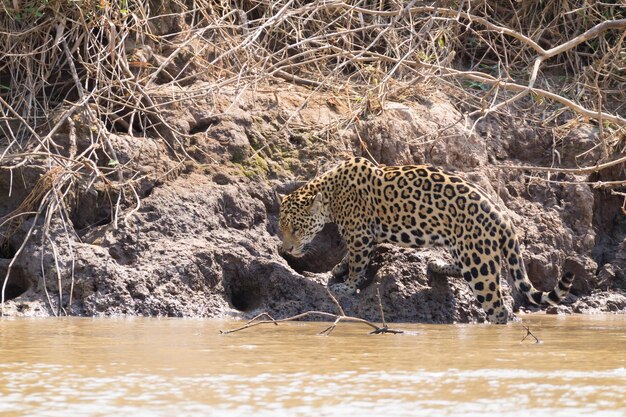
(174, 367)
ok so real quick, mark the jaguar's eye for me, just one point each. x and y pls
(295, 230)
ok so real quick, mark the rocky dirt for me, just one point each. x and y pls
(202, 241)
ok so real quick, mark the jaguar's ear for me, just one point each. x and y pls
(280, 197)
(316, 204)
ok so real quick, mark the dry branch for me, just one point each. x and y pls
(579, 171)
(511, 86)
(338, 318)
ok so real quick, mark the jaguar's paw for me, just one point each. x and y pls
(342, 289)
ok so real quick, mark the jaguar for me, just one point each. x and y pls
(412, 206)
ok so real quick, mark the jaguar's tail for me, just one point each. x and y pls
(523, 284)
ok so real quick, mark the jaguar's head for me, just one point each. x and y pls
(301, 218)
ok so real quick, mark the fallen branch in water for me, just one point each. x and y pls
(257, 320)
(529, 333)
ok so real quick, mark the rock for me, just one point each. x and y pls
(601, 302)
(584, 270)
(558, 310)
(606, 276)
(580, 147)
(231, 133)
(421, 134)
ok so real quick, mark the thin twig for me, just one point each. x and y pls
(380, 307)
(529, 333)
(332, 297)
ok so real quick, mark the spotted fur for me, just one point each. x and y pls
(412, 206)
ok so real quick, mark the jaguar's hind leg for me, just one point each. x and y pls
(486, 289)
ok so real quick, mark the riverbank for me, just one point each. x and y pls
(163, 204)
(202, 238)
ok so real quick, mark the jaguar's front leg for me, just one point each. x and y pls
(359, 252)
(341, 268)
